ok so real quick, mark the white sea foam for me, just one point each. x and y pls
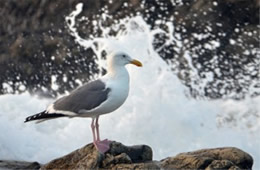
(157, 112)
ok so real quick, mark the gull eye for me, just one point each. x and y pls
(124, 56)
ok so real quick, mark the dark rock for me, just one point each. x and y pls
(137, 153)
(88, 157)
(123, 158)
(183, 161)
(140, 157)
(7, 164)
(218, 158)
(138, 166)
(221, 164)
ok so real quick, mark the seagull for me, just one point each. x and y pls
(95, 98)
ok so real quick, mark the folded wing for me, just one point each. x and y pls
(86, 97)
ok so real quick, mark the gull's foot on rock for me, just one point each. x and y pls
(103, 145)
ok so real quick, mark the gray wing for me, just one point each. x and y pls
(85, 97)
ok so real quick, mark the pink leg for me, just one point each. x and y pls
(102, 146)
(97, 128)
(93, 130)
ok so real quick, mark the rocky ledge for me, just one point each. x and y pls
(141, 157)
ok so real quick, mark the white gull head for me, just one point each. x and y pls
(120, 59)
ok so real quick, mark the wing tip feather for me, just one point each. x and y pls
(43, 115)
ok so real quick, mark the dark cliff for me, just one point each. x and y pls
(36, 44)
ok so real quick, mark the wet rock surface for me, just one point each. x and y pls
(140, 157)
(88, 157)
(8, 164)
(217, 158)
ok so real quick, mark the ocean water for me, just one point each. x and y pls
(158, 111)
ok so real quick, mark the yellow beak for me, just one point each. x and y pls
(137, 63)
